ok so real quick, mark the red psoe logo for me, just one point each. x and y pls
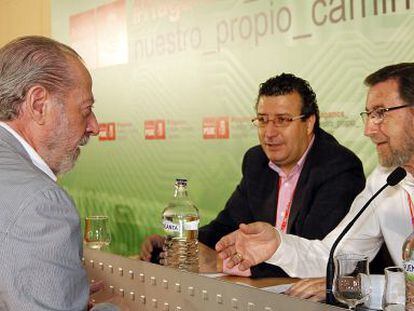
(154, 129)
(216, 128)
(107, 131)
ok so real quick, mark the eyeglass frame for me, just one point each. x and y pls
(380, 112)
(286, 118)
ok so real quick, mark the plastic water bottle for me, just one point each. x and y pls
(181, 220)
(408, 263)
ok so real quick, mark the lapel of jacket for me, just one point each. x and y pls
(270, 194)
(299, 197)
(262, 187)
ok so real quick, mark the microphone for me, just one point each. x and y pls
(394, 178)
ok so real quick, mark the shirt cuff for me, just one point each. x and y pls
(300, 259)
(277, 256)
(283, 255)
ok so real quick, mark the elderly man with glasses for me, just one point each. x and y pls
(389, 123)
(300, 179)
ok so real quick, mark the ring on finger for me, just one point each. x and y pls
(239, 257)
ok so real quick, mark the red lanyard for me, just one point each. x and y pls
(411, 205)
(286, 212)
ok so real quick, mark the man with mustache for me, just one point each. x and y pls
(46, 114)
(389, 123)
(300, 179)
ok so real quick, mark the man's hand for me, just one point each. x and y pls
(94, 288)
(249, 246)
(312, 289)
(149, 244)
(209, 261)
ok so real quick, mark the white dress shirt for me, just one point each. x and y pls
(387, 220)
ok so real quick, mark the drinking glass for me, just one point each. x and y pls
(351, 285)
(97, 234)
(394, 289)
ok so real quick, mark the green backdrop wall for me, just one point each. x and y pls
(175, 82)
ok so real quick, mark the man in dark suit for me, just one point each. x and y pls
(300, 179)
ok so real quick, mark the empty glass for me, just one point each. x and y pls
(352, 284)
(97, 234)
(394, 289)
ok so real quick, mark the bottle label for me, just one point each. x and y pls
(409, 284)
(171, 227)
(191, 225)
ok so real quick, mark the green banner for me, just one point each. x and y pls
(175, 83)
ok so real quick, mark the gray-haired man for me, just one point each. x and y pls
(45, 116)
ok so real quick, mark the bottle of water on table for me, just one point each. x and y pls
(181, 220)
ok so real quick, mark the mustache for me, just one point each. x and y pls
(84, 140)
(273, 141)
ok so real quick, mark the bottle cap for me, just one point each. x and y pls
(181, 181)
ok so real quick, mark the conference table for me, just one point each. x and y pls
(138, 285)
(259, 283)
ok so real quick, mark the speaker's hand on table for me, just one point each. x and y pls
(151, 243)
(313, 289)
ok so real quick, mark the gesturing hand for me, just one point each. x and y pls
(249, 245)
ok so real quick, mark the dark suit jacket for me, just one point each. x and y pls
(329, 181)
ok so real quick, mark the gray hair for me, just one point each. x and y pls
(29, 61)
(403, 73)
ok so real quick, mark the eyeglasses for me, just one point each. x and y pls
(377, 115)
(279, 120)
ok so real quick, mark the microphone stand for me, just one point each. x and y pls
(394, 178)
(330, 269)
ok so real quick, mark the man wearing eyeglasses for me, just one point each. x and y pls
(299, 180)
(389, 123)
